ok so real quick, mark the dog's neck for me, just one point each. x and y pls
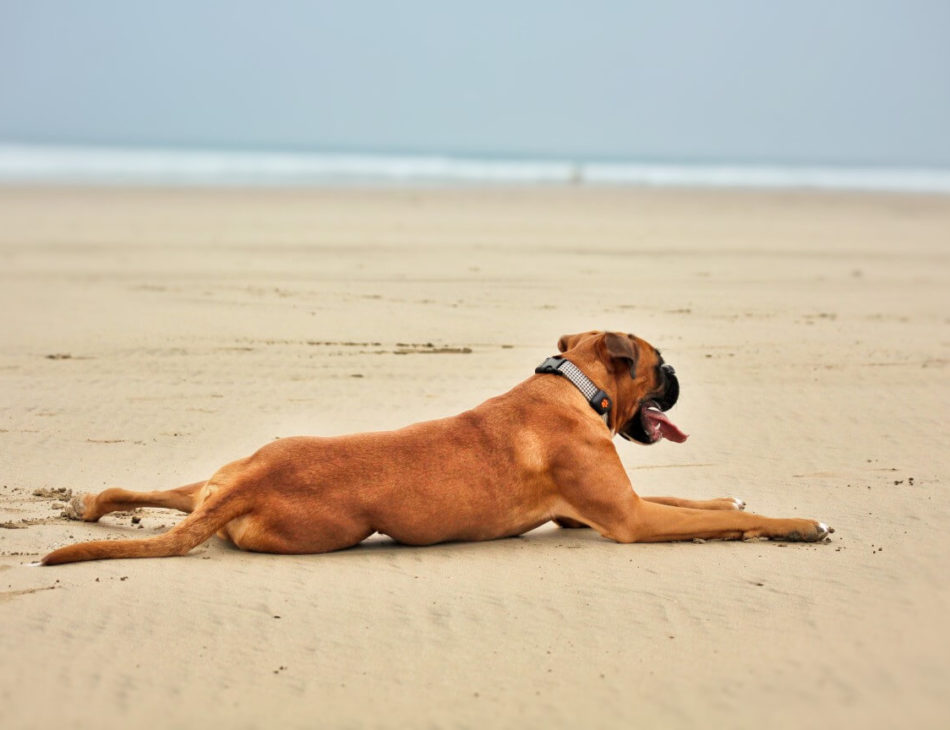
(596, 397)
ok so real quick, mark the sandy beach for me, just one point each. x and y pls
(150, 336)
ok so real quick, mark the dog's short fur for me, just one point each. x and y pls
(536, 453)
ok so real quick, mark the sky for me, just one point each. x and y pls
(844, 82)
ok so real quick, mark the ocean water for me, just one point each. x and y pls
(32, 164)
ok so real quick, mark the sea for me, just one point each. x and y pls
(146, 166)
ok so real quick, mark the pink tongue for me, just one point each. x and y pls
(657, 421)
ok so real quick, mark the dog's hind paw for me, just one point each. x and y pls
(78, 508)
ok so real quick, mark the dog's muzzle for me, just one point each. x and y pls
(650, 424)
(671, 388)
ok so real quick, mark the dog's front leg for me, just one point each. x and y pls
(729, 503)
(654, 522)
(599, 494)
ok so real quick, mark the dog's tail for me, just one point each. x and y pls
(213, 514)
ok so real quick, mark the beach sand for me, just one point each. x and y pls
(150, 336)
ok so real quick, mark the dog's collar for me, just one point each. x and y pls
(597, 398)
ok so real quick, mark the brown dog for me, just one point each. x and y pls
(542, 451)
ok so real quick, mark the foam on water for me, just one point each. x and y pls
(141, 166)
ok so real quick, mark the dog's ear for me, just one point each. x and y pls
(623, 348)
(568, 341)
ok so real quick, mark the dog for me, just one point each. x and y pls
(542, 451)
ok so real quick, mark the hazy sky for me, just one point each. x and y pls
(809, 81)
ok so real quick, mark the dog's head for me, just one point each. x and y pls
(633, 372)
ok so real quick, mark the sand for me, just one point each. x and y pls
(150, 336)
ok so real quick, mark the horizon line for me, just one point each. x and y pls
(99, 164)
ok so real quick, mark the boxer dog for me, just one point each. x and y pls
(542, 451)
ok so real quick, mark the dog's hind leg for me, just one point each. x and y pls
(90, 507)
(210, 516)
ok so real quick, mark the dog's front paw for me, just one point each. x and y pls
(794, 530)
(811, 531)
(81, 508)
(724, 503)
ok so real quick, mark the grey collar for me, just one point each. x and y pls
(597, 398)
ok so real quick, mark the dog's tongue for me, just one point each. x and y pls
(658, 423)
